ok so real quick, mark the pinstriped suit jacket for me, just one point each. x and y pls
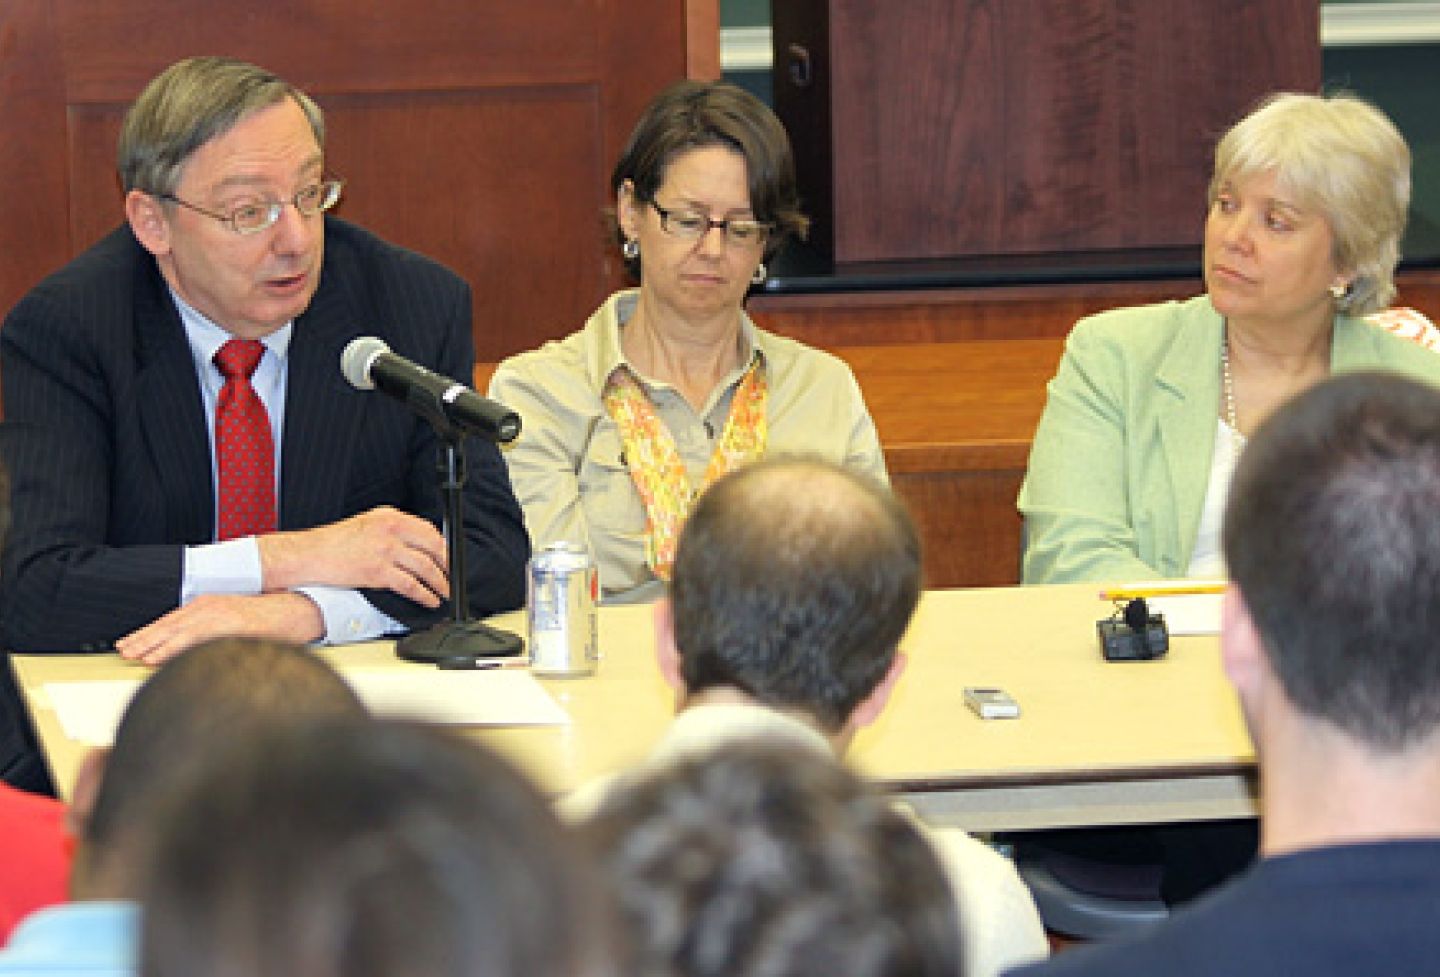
(104, 435)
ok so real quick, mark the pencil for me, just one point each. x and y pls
(1162, 588)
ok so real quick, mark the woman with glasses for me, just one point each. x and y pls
(670, 385)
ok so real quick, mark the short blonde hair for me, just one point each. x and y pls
(1343, 157)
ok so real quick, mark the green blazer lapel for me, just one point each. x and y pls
(1187, 396)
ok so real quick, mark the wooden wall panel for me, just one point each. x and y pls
(952, 314)
(1420, 289)
(96, 204)
(351, 45)
(968, 524)
(943, 315)
(702, 39)
(964, 127)
(481, 132)
(34, 207)
(484, 177)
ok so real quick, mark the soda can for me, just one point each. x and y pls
(561, 590)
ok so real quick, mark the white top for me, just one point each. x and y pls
(1207, 560)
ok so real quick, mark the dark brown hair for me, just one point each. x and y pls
(367, 849)
(794, 580)
(692, 114)
(1332, 534)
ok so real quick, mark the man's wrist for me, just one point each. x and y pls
(275, 573)
(303, 621)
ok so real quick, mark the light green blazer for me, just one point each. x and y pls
(1121, 459)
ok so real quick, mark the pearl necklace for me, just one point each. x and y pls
(1227, 379)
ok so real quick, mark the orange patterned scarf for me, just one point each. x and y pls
(655, 463)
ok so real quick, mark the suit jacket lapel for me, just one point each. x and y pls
(322, 411)
(1187, 392)
(172, 417)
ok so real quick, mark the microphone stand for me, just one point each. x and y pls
(460, 642)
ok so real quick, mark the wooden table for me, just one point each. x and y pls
(1097, 743)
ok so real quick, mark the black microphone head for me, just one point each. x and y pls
(357, 359)
(1137, 614)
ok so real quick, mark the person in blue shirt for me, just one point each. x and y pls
(187, 711)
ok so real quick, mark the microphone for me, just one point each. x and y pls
(369, 365)
(1137, 615)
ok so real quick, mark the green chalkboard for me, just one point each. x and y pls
(744, 13)
(1404, 80)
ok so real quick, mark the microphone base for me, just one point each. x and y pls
(458, 644)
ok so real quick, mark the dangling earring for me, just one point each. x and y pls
(1339, 290)
(630, 249)
(759, 277)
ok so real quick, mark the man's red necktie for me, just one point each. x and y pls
(244, 446)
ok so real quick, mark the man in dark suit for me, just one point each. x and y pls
(164, 495)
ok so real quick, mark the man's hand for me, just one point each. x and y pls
(289, 617)
(384, 549)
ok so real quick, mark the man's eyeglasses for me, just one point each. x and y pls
(253, 218)
(690, 226)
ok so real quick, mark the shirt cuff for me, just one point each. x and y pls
(231, 567)
(349, 616)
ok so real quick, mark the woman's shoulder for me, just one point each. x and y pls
(552, 355)
(568, 361)
(1143, 339)
(1363, 343)
(787, 355)
(1157, 322)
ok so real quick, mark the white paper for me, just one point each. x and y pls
(89, 712)
(1188, 613)
(494, 697)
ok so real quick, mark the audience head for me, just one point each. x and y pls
(1332, 536)
(1343, 158)
(191, 707)
(794, 580)
(346, 848)
(189, 104)
(692, 115)
(771, 860)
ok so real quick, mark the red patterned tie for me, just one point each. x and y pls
(244, 447)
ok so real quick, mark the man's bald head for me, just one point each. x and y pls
(794, 581)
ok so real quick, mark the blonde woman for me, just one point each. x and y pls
(1152, 405)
